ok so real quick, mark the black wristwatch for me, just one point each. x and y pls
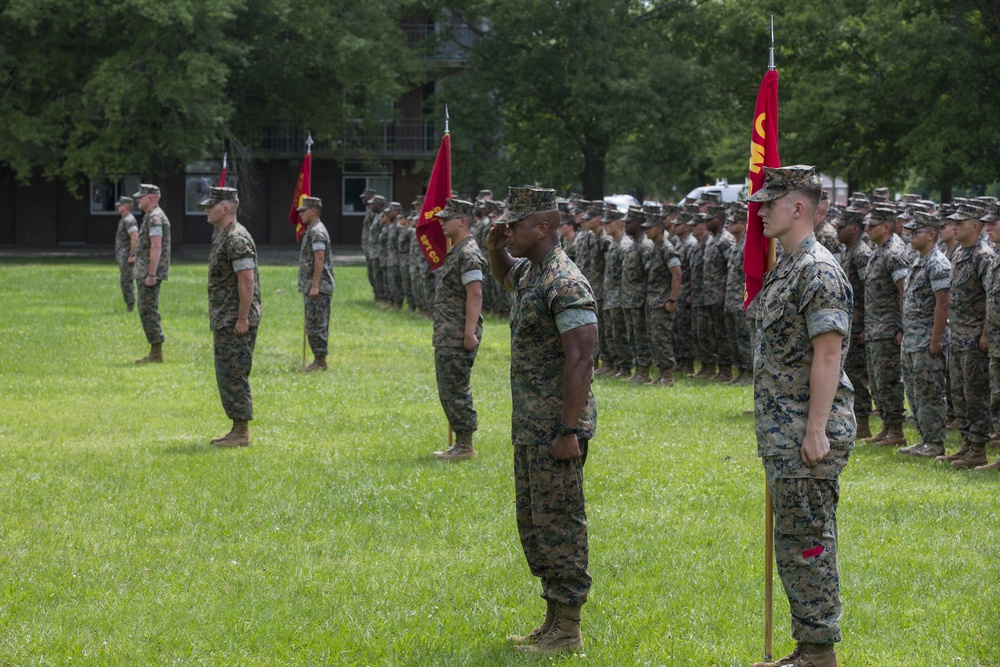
(566, 430)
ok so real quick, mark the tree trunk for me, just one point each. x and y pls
(595, 155)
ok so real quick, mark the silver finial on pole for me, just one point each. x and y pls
(309, 142)
(446, 118)
(770, 62)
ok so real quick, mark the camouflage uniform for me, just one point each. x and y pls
(633, 300)
(394, 277)
(715, 266)
(826, 235)
(993, 331)
(406, 235)
(154, 223)
(591, 248)
(854, 261)
(462, 265)
(737, 331)
(924, 373)
(683, 321)
(123, 243)
(804, 295)
(659, 282)
(701, 319)
(233, 250)
(614, 257)
(418, 268)
(317, 308)
(550, 298)
(969, 365)
(883, 320)
(374, 252)
(366, 226)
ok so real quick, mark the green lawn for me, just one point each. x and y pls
(337, 539)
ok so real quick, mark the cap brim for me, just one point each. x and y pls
(205, 203)
(766, 194)
(510, 216)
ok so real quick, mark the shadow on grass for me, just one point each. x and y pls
(194, 448)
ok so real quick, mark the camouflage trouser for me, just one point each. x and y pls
(149, 311)
(603, 351)
(233, 362)
(552, 521)
(370, 270)
(805, 547)
(924, 377)
(621, 351)
(705, 340)
(970, 386)
(683, 331)
(454, 371)
(720, 336)
(739, 340)
(501, 299)
(317, 322)
(394, 283)
(489, 291)
(661, 337)
(430, 289)
(404, 280)
(856, 367)
(416, 288)
(752, 334)
(377, 281)
(125, 277)
(995, 393)
(886, 382)
(638, 336)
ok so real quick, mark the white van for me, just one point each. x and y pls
(729, 192)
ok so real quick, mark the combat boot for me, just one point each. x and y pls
(782, 662)
(990, 466)
(605, 369)
(536, 634)
(685, 366)
(725, 375)
(641, 376)
(976, 456)
(929, 450)
(864, 428)
(894, 438)
(462, 449)
(666, 378)
(155, 355)
(957, 455)
(707, 371)
(875, 438)
(562, 637)
(624, 373)
(238, 437)
(744, 377)
(318, 364)
(911, 448)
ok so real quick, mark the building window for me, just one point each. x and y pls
(359, 176)
(198, 178)
(104, 192)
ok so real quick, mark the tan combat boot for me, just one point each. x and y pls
(462, 449)
(875, 438)
(238, 437)
(744, 377)
(957, 455)
(562, 637)
(318, 364)
(707, 371)
(624, 373)
(781, 662)
(666, 378)
(725, 375)
(155, 355)
(894, 438)
(605, 369)
(929, 450)
(536, 634)
(976, 456)
(641, 376)
(864, 429)
(990, 466)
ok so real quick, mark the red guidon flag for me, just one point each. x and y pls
(763, 153)
(303, 187)
(429, 232)
(222, 178)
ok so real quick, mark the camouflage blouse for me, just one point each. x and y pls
(969, 275)
(736, 280)
(715, 263)
(126, 226)
(614, 258)
(154, 223)
(549, 299)
(806, 294)
(463, 264)
(659, 280)
(233, 250)
(927, 276)
(316, 238)
(993, 307)
(886, 266)
(634, 271)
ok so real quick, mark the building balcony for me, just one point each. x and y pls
(402, 138)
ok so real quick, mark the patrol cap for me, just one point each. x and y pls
(396, 205)
(651, 209)
(710, 197)
(923, 220)
(367, 194)
(611, 213)
(967, 212)
(524, 200)
(215, 195)
(146, 189)
(454, 208)
(377, 199)
(418, 202)
(124, 200)
(740, 215)
(911, 198)
(992, 212)
(635, 214)
(712, 212)
(671, 209)
(485, 194)
(310, 202)
(779, 181)
(850, 216)
(881, 215)
(881, 193)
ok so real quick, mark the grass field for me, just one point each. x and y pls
(337, 539)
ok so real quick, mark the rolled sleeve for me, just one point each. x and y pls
(825, 320)
(245, 264)
(472, 277)
(574, 318)
(156, 230)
